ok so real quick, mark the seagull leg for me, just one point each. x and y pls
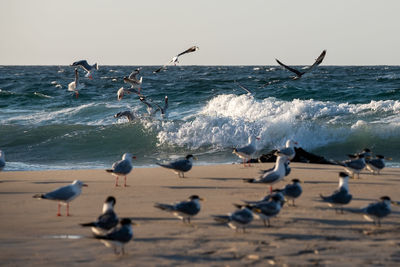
(125, 182)
(116, 181)
(76, 94)
(67, 209)
(270, 189)
(59, 207)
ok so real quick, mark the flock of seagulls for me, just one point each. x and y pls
(115, 232)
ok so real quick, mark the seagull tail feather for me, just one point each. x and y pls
(39, 196)
(109, 170)
(166, 207)
(251, 180)
(88, 224)
(222, 218)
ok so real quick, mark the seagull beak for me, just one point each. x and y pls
(256, 210)
(133, 223)
(388, 158)
(85, 185)
(395, 203)
(258, 138)
(195, 158)
(133, 157)
(202, 199)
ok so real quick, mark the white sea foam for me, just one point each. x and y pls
(228, 120)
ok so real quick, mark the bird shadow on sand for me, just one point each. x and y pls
(200, 187)
(17, 193)
(53, 182)
(319, 182)
(281, 236)
(155, 239)
(137, 219)
(221, 179)
(330, 221)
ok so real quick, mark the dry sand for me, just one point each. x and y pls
(309, 234)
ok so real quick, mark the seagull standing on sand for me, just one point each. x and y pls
(180, 166)
(184, 210)
(374, 212)
(174, 60)
(122, 167)
(354, 166)
(107, 220)
(289, 150)
(246, 151)
(292, 191)
(276, 193)
(274, 176)
(64, 194)
(377, 164)
(118, 237)
(239, 219)
(2, 160)
(75, 86)
(133, 80)
(298, 73)
(341, 196)
(267, 209)
(85, 65)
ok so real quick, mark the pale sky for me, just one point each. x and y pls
(228, 32)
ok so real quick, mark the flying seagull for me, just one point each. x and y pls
(174, 60)
(75, 86)
(163, 110)
(2, 160)
(122, 167)
(107, 220)
(128, 114)
(119, 236)
(301, 73)
(179, 166)
(122, 91)
(184, 210)
(133, 80)
(85, 65)
(64, 194)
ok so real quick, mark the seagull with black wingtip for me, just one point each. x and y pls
(107, 220)
(238, 219)
(184, 210)
(341, 196)
(180, 166)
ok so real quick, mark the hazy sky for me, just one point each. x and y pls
(228, 32)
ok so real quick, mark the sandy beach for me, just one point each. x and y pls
(309, 234)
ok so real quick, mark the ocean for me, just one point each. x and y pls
(332, 111)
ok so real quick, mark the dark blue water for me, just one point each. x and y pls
(331, 111)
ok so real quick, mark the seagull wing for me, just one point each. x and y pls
(122, 166)
(187, 207)
(317, 61)
(244, 88)
(298, 73)
(192, 49)
(82, 63)
(63, 193)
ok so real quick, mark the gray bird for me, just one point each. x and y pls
(174, 60)
(163, 110)
(267, 209)
(377, 164)
(184, 210)
(274, 176)
(64, 194)
(375, 212)
(292, 191)
(133, 80)
(85, 65)
(2, 160)
(298, 73)
(107, 220)
(276, 192)
(238, 219)
(118, 237)
(128, 114)
(246, 151)
(179, 166)
(340, 196)
(122, 91)
(289, 150)
(122, 167)
(354, 166)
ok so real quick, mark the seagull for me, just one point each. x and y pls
(122, 91)
(150, 109)
(288, 150)
(244, 88)
(293, 190)
(85, 65)
(354, 166)
(128, 114)
(246, 151)
(341, 196)
(180, 166)
(274, 176)
(275, 193)
(240, 218)
(119, 236)
(107, 220)
(174, 60)
(267, 209)
(64, 194)
(133, 80)
(2, 160)
(163, 110)
(122, 167)
(184, 210)
(287, 168)
(75, 86)
(374, 212)
(301, 73)
(377, 164)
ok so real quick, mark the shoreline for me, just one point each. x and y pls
(310, 233)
